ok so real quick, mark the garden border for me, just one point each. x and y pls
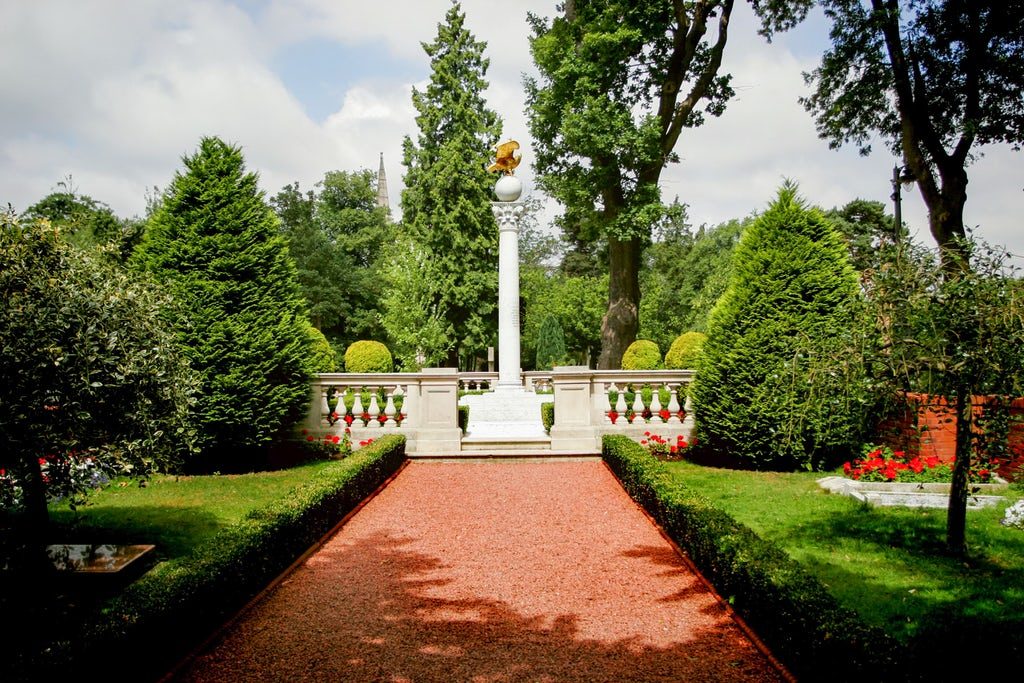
(173, 602)
(790, 610)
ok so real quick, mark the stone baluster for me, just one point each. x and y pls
(638, 405)
(607, 405)
(374, 410)
(656, 417)
(673, 405)
(688, 422)
(389, 410)
(357, 406)
(398, 395)
(325, 408)
(620, 406)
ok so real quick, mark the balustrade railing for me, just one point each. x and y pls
(424, 405)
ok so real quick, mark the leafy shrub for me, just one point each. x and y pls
(547, 415)
(789, 609)
(368, 356)
(685, 351)
(214, 243)
(91, 382)
(641, 355)
(463, 418)
(550, 344)
(166, 612)
(770, 388)
(324, 358)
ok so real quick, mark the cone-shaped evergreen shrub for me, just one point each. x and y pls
(757, 393)
(685, 351)
(550, 343)
(215, 245)
(642, 354)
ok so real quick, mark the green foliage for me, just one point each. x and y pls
(463, 418)
(338, 237)
(686, 275)
(215, 245)
(642, 355)
(761, 393)
(685, 351)
(868, 231)
(368, 356)
(547, 415)
(324, 358)
(85, 222)
(420, 334)
(577, 302)
(618, 82)
(446, 200)
(160, 617)
(932, 78)
(550, 344)
(789, 609)
(90, 376)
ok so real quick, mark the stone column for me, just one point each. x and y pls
(507, 213)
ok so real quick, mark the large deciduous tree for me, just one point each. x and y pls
(935, 79)
(337, 235)
(91, 382)
(619, 81)
(215, 244)
(445, 204)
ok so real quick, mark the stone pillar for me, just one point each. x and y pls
(507, 214)
(437, 429)
(573, 429)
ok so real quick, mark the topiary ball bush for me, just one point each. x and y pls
(368, 356)
(324, 358)
(685, 351)
(642, 355)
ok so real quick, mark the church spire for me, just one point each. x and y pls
(382, 187)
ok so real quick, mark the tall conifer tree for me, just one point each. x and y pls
(445, 206)
(215, 244)
(757, 394)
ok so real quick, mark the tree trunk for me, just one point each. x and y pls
(946, 217)
(620, 324)
(956, 515)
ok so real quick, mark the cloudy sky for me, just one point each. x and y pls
(115, 92)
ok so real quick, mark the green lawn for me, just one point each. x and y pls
(886, 563)
(174, 513)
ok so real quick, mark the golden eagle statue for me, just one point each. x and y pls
(506, 158)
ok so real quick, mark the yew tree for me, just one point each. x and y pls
(446, 201)
(935, 79)
(619, 81)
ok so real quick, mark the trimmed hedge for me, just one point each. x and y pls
(789, 609)
(368, 356)
(685, 351)
(463, 418)
(157, 619)
(641, 355)
(547, 415)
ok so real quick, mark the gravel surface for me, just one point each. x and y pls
(490, 571)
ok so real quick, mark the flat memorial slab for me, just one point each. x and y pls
(907, 494)
(105, 559)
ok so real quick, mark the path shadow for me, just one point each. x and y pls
(378, 610)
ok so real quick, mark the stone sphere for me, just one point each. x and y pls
(508, 188)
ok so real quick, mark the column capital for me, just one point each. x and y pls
(508, 214)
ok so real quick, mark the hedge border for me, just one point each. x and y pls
(789, 609)
(547, 415)
(167, 612)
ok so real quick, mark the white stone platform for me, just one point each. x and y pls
(506, 416)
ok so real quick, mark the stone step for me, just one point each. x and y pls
(537, 455)
(499, 443)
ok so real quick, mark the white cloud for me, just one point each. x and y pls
(115, 93)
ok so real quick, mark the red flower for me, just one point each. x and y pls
(309, 438)
(336, 438)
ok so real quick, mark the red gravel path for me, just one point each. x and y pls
(490, 571)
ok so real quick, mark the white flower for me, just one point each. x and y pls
(1014, 515)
